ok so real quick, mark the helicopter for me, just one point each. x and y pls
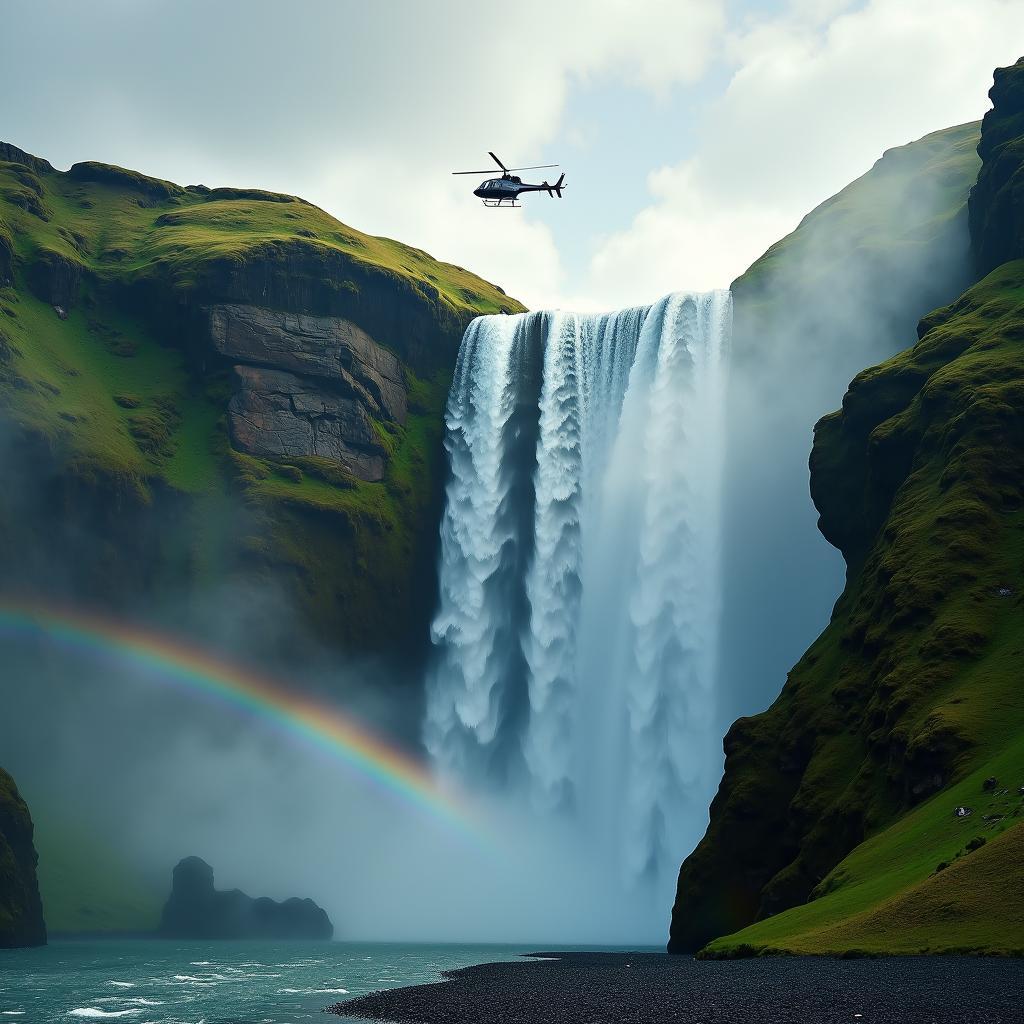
(506, 190)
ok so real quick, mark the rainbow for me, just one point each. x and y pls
(296, 715)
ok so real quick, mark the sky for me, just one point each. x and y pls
(693, 133)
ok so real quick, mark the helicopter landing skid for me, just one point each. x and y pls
(493, 203)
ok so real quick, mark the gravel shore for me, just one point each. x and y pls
(653, 988)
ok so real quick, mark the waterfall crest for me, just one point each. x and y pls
(578, 623)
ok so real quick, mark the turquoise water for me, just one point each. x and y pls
(152, 982)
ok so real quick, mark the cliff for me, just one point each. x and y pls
(876, 806)
(196, 910)
(221, 385)
(21, 910)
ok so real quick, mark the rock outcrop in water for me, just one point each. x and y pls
(21, 910)
(196, 910)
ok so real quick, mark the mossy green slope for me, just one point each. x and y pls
(910, 700)
(114, 407)
(835, 827)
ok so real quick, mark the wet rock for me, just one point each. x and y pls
(21, 910)
(963, 812)
(275, 414)
(61, 312)
(324, 347)
(196, 910)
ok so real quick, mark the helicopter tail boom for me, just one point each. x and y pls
(556, 189)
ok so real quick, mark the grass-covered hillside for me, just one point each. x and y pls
(878, 805)
(114, 401)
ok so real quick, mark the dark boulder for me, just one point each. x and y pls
(196, 910)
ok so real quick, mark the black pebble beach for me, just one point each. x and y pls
(653, 988)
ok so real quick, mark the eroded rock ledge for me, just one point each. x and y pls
(308, 386)
(21, 910)
(276, 415)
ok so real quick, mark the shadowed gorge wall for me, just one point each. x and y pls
(835, 818)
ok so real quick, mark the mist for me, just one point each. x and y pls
(128, 770)
(153, 774)
(840, 295)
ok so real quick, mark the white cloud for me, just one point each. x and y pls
(809, 108)
(364, 108)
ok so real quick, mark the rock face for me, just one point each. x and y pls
(997, 202)
(196, 910)
(325, 347)
(308, 386)
(21, 910)
(279, 415)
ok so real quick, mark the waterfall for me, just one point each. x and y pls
(577, 630)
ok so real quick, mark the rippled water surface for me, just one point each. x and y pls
(213, 983)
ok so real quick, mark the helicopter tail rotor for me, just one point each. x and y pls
(556, 189)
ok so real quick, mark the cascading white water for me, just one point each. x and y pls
(578, 623)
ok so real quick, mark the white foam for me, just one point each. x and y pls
(92, 1011)
(312, 991)
(122, 984)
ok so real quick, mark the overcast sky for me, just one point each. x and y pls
(693, 133)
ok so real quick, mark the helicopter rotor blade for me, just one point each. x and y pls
(487, 171)
(496, 160)
(532, 167)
